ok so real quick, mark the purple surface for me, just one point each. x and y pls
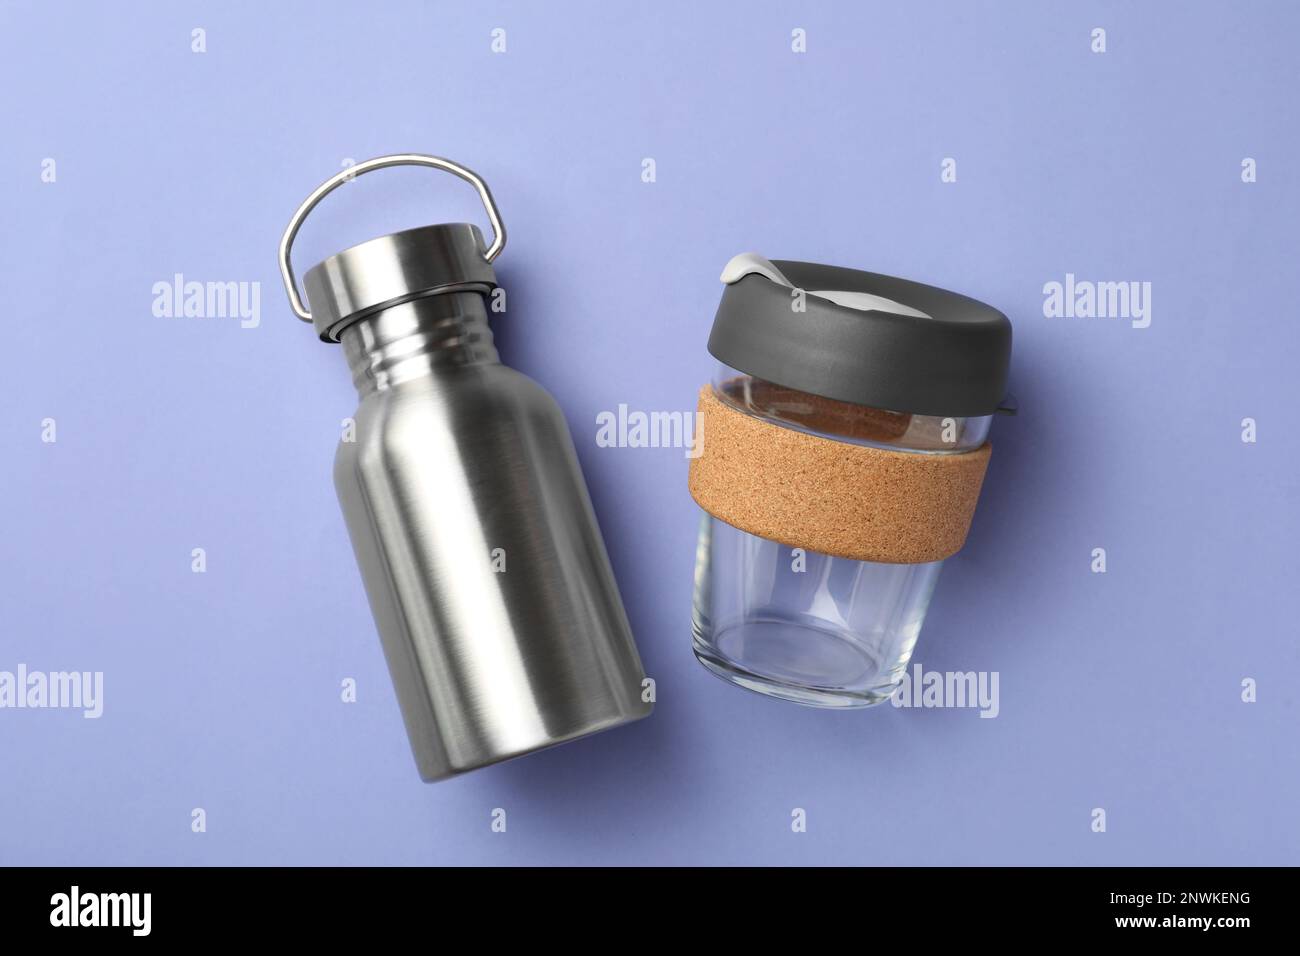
(1120, 691)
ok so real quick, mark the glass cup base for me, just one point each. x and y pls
(809, 678)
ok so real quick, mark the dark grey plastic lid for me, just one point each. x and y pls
(952, 361)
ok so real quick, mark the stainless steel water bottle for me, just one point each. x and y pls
(485, 570)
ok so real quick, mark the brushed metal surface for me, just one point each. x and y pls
(412, 264)
(460, 463)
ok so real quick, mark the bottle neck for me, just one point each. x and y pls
(418, 339)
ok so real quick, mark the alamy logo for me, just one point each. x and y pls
(75, 908)
(73, 690)
(181, 299)
(1084, 299)
(634, 429)
(923, 688)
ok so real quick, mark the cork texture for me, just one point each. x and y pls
(838, 498)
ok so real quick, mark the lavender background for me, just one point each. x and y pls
(1119, 690)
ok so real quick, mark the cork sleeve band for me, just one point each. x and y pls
(837, 498)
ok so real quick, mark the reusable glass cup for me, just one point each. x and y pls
(771, 612)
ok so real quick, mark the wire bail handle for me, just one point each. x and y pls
(370, 165)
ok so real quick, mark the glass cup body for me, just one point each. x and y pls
(803, 626)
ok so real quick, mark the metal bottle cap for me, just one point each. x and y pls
(428, 260)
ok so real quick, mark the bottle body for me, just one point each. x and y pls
(481, 556)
